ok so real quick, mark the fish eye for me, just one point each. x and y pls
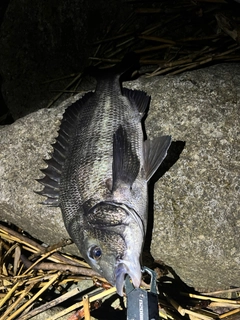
(95, 252)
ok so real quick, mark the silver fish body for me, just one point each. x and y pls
(99, 175)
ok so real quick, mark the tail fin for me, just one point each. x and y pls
(123, 69)
(127, 66)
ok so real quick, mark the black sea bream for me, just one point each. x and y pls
(99, 174)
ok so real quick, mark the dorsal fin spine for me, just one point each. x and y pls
(52, 178)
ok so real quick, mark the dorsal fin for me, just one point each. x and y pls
(154, 152)
(126, 164)
(52, 178)
(139, 99)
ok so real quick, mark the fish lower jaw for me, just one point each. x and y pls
(125, 268)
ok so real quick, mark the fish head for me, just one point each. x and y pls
(109, 246)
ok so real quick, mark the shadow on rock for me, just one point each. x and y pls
(172, 157)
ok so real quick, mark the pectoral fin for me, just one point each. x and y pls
(126, 164)
(139, 99)
(154, 153)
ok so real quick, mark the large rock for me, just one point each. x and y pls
(23, 146)
(196, 203)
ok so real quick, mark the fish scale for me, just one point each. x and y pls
(99, 175)
(97, 141)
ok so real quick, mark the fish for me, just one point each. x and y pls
(99, 173)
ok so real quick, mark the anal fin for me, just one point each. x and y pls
(154, 152)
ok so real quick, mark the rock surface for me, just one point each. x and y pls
(196, 202)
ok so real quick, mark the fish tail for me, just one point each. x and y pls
(128, 65)
(124, 69)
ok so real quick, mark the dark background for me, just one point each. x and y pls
(44, 40)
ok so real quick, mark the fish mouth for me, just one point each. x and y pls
(125, 268)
